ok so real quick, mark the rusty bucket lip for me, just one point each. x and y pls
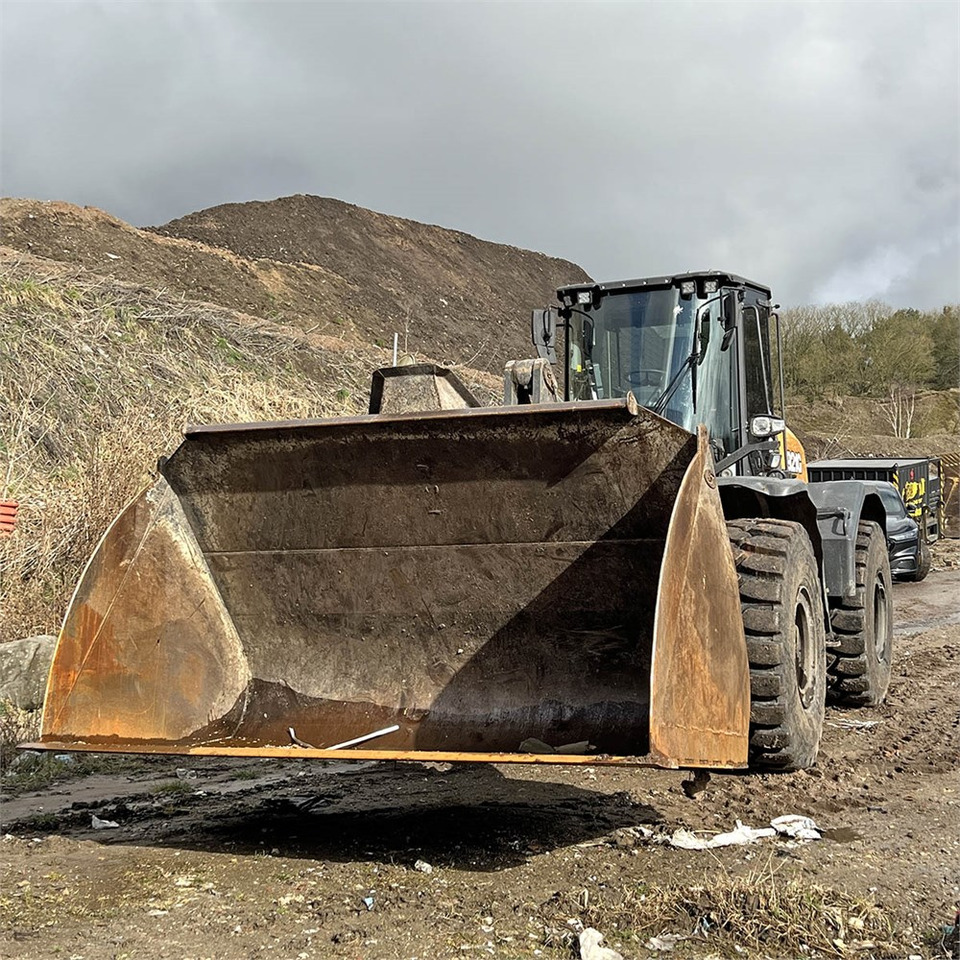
(627, 404)
(423, 756)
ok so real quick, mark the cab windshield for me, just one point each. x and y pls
(639, 341)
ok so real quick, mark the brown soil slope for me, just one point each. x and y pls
(455, 294)
(319, 264)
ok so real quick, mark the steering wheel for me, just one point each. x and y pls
(644, 378)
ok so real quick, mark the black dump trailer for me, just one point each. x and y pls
(917, 479)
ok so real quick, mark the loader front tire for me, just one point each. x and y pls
(783, 619)
(860, 666)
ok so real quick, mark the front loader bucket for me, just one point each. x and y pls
(485, 581)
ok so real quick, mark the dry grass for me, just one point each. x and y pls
(97, 379)
(762, 913)
(16, 726)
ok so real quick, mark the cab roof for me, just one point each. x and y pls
(621, 286)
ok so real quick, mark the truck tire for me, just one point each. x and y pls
(782, 604)
(859, 666)
(924, 562)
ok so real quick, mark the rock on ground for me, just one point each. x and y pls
(24, 665)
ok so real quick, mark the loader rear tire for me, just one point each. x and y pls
(782, 605)
(860, 666)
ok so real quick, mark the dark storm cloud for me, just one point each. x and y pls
(814, 146)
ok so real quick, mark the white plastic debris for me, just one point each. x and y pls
(99, 824)
(364, 738)
(741, 835)
(796, 827)
(423, 867)
(845, 723)
(591, 949)
(792, 825)
(665, 942)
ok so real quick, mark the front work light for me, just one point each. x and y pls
(766, 426)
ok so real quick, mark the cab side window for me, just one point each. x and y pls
(758, 381)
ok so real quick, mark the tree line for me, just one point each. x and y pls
(869, 349)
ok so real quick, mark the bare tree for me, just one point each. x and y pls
(899, 408)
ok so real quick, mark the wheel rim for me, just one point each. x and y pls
(804, 647)
(881, 621)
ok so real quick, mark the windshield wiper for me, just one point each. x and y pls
(660, 404)
(701, 337)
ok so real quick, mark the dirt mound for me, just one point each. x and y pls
(451, 293)
(322, 265)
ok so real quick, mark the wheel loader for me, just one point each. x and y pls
(622, 567)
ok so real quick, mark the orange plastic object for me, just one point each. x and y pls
(8, 516)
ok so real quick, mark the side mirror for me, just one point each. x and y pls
(732, 311)
(731, 317)
(543, 332)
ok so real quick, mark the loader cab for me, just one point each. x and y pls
(694, 348)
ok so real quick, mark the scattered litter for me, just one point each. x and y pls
(950, 939)
(157, 913)
(296, 740)
(792, 825)
(849, 724)
(423, 867)
(740, 836)
(183, 773)
(111, 256)
(665, 942)
(368, 902)
(533, 745)
(99, 824)
(796, 827)
(591, 949)
(67, 758)
(363, 739)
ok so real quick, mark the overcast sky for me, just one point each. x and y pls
(812, 146)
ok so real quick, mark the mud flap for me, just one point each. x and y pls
(700, 677)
